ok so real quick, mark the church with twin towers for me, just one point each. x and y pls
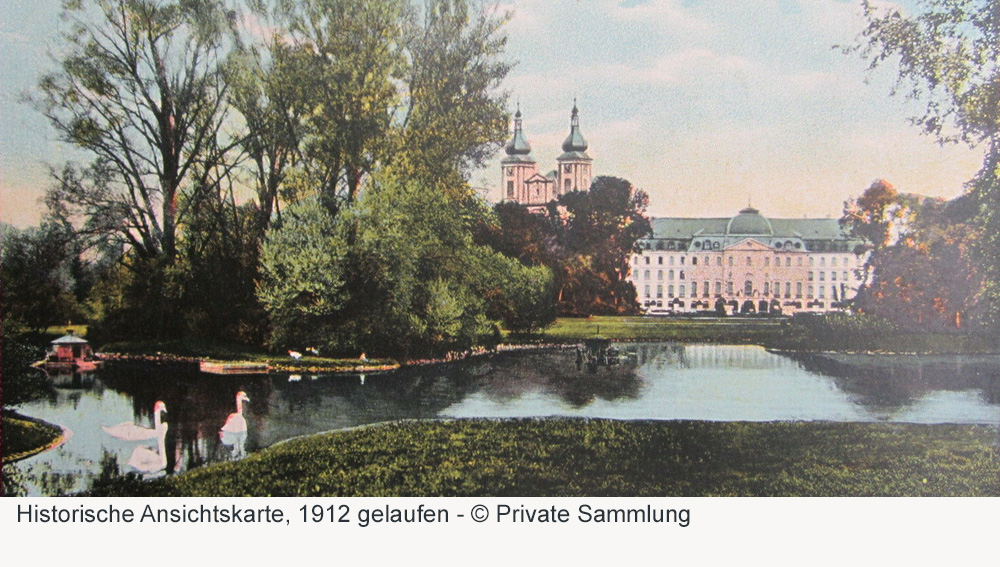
(522, 182)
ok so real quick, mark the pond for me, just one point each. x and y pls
(653, 381)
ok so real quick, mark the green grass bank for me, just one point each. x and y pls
(577, 457)
(781, 334)
(24, 436)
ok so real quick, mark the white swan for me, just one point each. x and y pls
(236, 423)
(146, 460)
(132, 432)
(295, 355)
(234, 432)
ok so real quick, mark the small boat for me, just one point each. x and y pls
(70, 353)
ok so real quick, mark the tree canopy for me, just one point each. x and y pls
(948, 55)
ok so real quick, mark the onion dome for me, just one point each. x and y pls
(574, 142)
(518, 148)
(749, 221)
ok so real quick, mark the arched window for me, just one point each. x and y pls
(682, 274)
(670, 274)
(566, 185)
(748, 288)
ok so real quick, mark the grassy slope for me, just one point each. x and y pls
(565, 457)
(23, 437)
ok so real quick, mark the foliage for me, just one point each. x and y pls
(41, 276)
(921, 265)
(575, 457)
(397, 274)
(948, 55)
(303, 276)
(586, 238)
(139, 88)
(21, 382)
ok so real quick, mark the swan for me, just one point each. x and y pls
(146, 460)
(236, 423)
(295, 355)
(234, 432)
(132, 432)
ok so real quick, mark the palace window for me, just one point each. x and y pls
(788, 261)
(809, 292)
(659, 274)
(694, 261)
(694, 289)
(718, 288)
(730, 260)
(798, 289)
(833, 276)
(670, 291)
(822, 276)
(647, 274)
(748, 288)
(681, 294)
(647, 292)
(767, 261)
(729, 288)
(767, 288)
(749, 261)
(788, 289)
(718, 261)
(682, 274)
(659, 292)
(659, 260)
(671, 274)
(704, 289)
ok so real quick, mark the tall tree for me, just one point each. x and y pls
(948, 55)
(600, 230)
(139, 88)
(455, 115)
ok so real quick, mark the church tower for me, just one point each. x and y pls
(518, 165)
(575, 166)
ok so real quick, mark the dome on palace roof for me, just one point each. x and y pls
(749, 221)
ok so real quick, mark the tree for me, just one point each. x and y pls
(39, 277)
(397, 273)
(455, 115)
(597, 235)
(140, 88)
(948, 55)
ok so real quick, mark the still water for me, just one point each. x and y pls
(655, 381)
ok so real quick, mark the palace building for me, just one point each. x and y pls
(522, 183)
(746, 264)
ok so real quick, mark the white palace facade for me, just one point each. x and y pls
(746, 264)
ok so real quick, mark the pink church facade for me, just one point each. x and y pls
(521, 180)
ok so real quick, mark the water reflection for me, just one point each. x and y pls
(652, 381)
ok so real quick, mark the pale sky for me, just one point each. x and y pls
(704, 104)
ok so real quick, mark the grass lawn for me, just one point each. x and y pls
(730, 331)
(23, 437)
(576, 457)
